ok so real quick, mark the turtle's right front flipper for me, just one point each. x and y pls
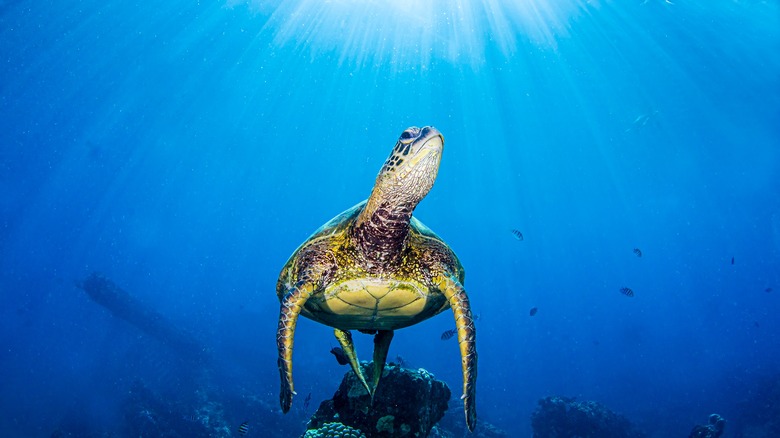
(467, 341)
(292, 302)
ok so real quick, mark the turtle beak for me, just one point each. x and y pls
(426, 147)
(429, 138)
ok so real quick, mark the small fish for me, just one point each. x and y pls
(755, 323)
(400, 361)
(627, 291)
(767, 290)
(533, 311)
(518, 235)
(243, 428)
(641, 120)
(448, 334)
(732, 260)
(341, 357)
(638, 252)
(306, 402)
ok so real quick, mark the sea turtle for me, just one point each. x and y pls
(374, 268)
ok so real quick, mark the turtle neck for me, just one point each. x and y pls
(381, 235)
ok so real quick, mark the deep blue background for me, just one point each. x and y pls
(184, 149)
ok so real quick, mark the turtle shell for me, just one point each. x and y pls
(353, 295)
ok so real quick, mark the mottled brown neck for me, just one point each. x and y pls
(380, 234)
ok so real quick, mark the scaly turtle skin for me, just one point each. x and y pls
(374, 268)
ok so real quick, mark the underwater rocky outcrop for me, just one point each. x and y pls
(407, 403)
(564, 417)
(713, 429)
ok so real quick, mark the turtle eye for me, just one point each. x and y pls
(409, 134)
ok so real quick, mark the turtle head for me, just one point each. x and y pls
(410, 171)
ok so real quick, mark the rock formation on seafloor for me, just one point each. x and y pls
(407, 403)
(562, 417)
(713, 429)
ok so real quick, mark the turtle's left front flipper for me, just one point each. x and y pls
(467, 340)
(292, 302)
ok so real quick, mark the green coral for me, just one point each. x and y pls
(385, 424)
(334, 430)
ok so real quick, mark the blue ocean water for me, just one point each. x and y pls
(184, 149)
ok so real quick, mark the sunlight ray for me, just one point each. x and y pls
(406, 34)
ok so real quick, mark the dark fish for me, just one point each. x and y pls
(755, 323)
(518, 235)
(341, 357)
(448, 334)
(767, 290)
(638, 252)
(306, 402)
(243, 428)
(732, 260)
(627, 291)
(533, 311)
(400, 361)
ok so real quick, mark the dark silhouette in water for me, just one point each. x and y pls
(124, 306)
(341, 357)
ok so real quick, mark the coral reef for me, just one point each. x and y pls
(564, 417)
(407, 403)
(147, 414)
(334, 430)
(714, 428)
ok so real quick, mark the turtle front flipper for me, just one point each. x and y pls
(292, 302)
(467, 340)
(381, 347)
(345, 340)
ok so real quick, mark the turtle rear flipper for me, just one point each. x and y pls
(381, 347)
(345, 340)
